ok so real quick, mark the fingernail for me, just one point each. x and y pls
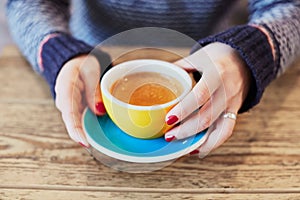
(100, 107)
(172, 119)
(169, 138)
(83, 145)
(196, 151)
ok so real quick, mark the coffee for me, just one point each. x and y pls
(146, 89)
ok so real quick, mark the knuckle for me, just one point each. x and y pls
(75, 82)
(201, 95)
(58, 104)
(234, 101)
(222, 69)
(72, 136)
(57, 87)
(204, 122)
(182, 112)
(76, 95)
(90, 70)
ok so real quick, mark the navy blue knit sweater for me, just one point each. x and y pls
(76, 26)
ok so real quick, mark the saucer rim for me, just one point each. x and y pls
(136, 159)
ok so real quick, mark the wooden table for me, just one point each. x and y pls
(39, 161)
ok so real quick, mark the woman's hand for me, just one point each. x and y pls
(77, 85)
(222, 89)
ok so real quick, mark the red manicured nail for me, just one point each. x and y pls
(100, 107)
(169, 138)
(172, 119)
(196, 151)
(82, 145)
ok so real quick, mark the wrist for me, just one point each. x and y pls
(56, 50)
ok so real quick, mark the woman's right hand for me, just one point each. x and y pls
(77, 86)
(222, 89)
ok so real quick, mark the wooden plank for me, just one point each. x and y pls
(36, 149)
(18, 81)
(76, 168)
(8, 194)
(10, 51)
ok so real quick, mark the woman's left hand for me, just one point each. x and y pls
(222, 89)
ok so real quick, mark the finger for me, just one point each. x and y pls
(90, 75)
(199, 61)
(67, 80)
(71, 110)
(68, 90)
(71, 93)
(217, 135)
(201, 120)
(72, 120)
(185, 64)
(195, 99)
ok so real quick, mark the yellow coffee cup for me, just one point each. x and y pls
(142, 121)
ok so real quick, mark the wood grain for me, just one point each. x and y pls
(18, 81)
(35, 145)
(37, 158)
(8, 194)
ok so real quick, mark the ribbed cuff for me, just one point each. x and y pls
(253, 46)
(60, 49)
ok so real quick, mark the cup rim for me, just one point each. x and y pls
(170, 66)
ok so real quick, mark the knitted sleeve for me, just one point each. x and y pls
(281, 20)
(40, 29)
(31, 21)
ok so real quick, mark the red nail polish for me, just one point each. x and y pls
(172, 119)
(169, 138)
(196, 151)
(82, 145)
(100, 107)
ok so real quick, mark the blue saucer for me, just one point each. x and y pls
(107, 138)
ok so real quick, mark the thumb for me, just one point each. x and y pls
(185, 64)
(197, 61)
(90, 75)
